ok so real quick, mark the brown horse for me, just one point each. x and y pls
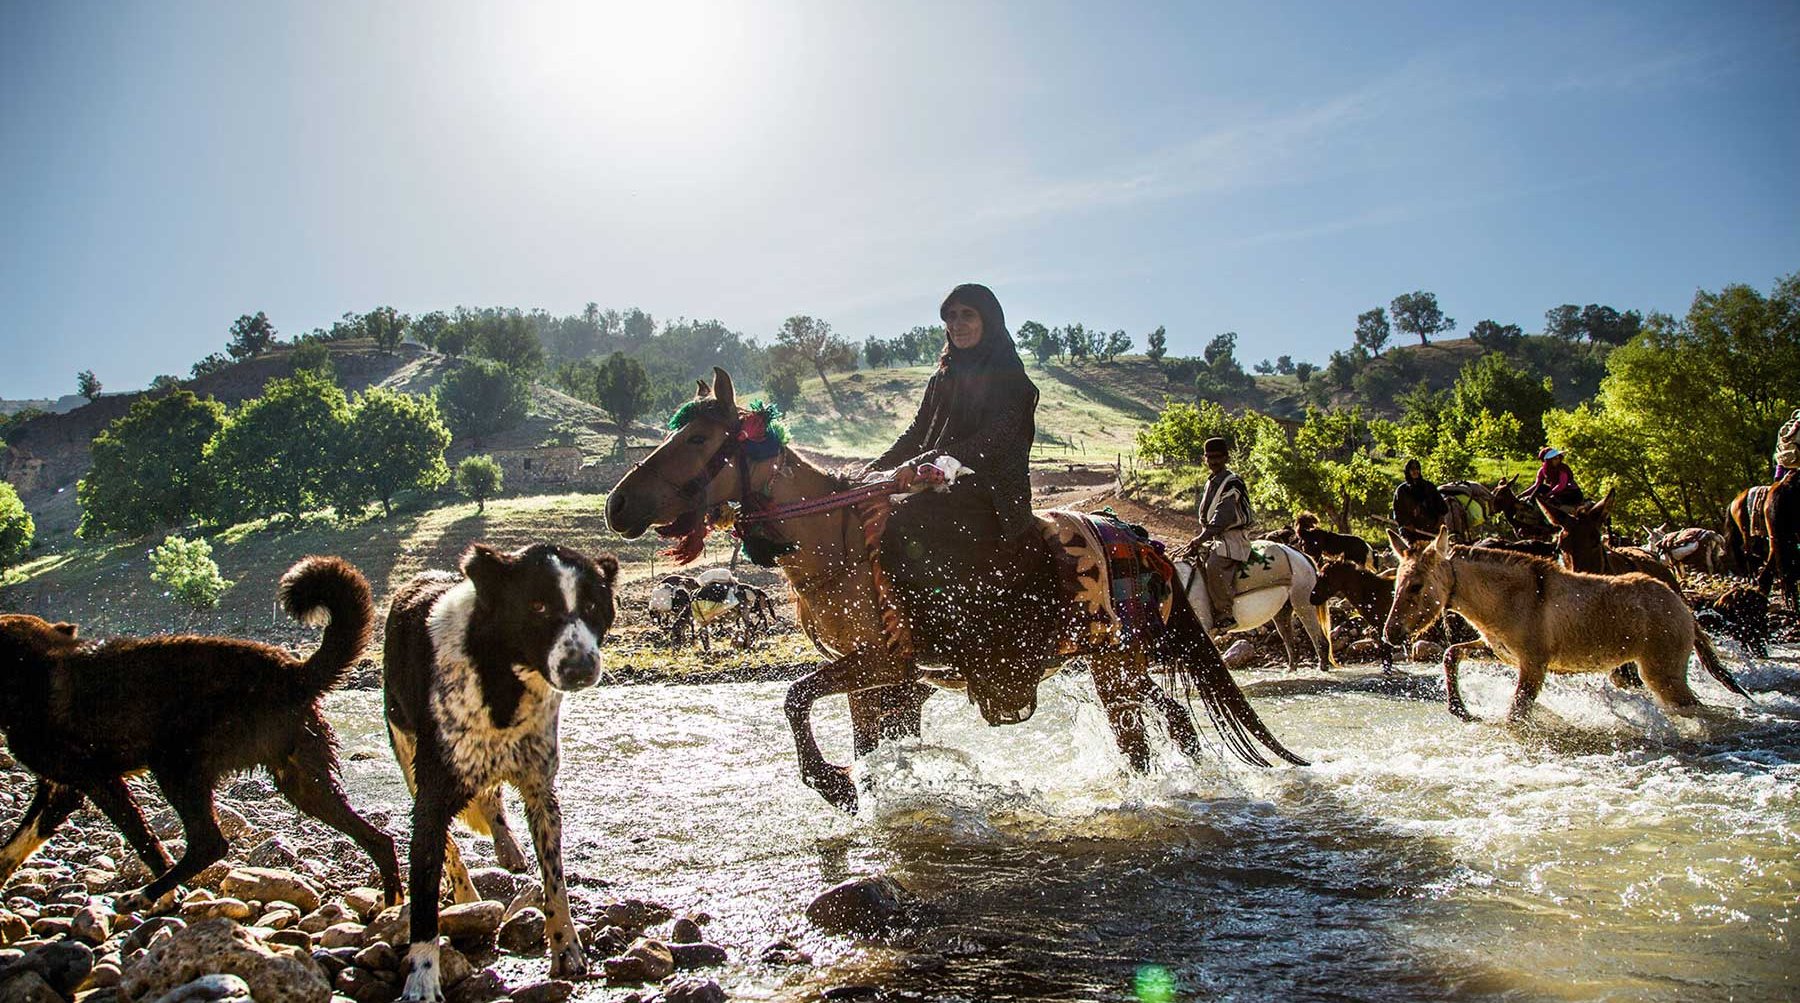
(1583, 545)
(1781, 517)
(1371, 595)
(1746, 532)
(1528, 521)
(1541, 618)
(875, 637)
(1323, 545)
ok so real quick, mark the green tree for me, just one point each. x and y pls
(1117, 344)
(387, 326)
(876, 351)
(280, 453)
(481, 398)
(1605, 325)
(1372, 331)
(454, 338)
(251, 335)
(510, 340)
(810, 342)
(1303, 371)
(206, 367)
(1180, 431)
(1284, 364)
(1158, 343)
(88, 385)
(1075, 339)
(1222, 374)
(16, 526)
(623, 391)
(1563, 322)
(1030, 336)
(188, 569)
(395, 443)
(427, 327)
(147, 471)
(1496, 337)
(479, 478)
(783, 388)
(1493, 385)
(1418, 313)
(164, 382)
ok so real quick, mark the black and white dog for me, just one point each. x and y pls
(474, 670)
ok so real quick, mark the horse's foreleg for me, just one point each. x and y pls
(1531, 680)
(859, 670)
(1117, 683)
(1452, 694)
(885, 712)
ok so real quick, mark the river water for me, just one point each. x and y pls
(1601, 852)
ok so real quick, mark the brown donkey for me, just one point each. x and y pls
(1542, 618)
(706, 463)
(1371, 595)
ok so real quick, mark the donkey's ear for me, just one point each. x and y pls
(1442, 543)
(1398, 543)
(722, 388)
(1605, 505)
(701, 390)
(1557, 516)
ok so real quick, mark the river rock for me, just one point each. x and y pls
(453, 966)
(523, 932)
(686, 931)
(783, 952)
(280, 917)
(552, 991)
(12, 927)
(20, 986)
(365, 986)
(1427, 651)
(62, 964)
(529, 896)
(274, 853)
(604, 941)
(494, 883)
(106, 972)
(140, 935)
(688, 956)
(470, 920)
(209, 989)
(47, 927)
(92, 925)
(219, 946)
(637, 915)
(291, 937)
(860, 905)
(644, 961)
(342, 935)
(1363, 649)
(364, 902)
(329, 914)
(484, 986)
(689, 990)
(269, 884)
(378, 958)
(219, 908)
(1240, 655)
(390, 924)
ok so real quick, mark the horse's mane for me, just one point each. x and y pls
(1488, 555)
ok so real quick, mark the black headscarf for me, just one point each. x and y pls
(979, 376)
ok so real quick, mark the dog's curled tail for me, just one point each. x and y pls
(329, 592)
(1710, 661)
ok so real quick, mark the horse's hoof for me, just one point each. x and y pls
(836, 787)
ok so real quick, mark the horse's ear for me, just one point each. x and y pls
(1605, 505)
(701, 390)
(1556, 515)
(1398, 543)
(722, 388)
(1508, 483)
(1442, 543)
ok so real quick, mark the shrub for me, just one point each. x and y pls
(188, 569)
(16, 526)
(478, 477)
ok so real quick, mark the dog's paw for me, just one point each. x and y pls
(422, 983)
(569, 963)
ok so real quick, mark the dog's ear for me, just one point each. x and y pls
(484, 566)
(609, 568)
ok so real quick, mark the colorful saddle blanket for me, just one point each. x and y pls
(1117, 575)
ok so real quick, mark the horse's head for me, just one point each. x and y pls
(1504, 498)
(1421, 587)
(1335, 578)
(1581, 530)
(699, 466)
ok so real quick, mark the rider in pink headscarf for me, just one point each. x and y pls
(1555, 482)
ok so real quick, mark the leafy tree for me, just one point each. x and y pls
(311, 354)
(1340, 443)
(1372, 331)
(922, 343)
(1451, 459)
(11, 423)
(188, 569)
(623, 391)
(1179, 433)
(387, 326)
(1493, 385)
(1303, 371)
(1284, 364)
(1496, 337)
(1222, 373)
(88, 385)
(1605, 325)
(1418, 313)
(395, 443)
(478, 477)
(1342, 367)
(251, 335)
(1264, 368)
(164, 382)
(1031, 336)
(1158, 342)
(1075, 338)
(810, 342)
(876, 351)
(481, 398)
(783, 388)
(1117, 344)
(1688, 411)
(146, 470)
(454, 337)
(510, 340)
(279, 453)
(209, 365)
(16, 526)
(1563, 322)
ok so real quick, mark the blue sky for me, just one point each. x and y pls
(1272, 169)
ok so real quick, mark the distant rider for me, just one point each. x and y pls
(1224, 532)
(1787, 447)
(1555, 482)
(1419, 507)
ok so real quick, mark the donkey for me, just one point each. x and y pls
(1541, 618)
(1584, 549)
(1323, 545)
(1696, 548)
(1527, 520)
(1746, 532)
(876, 638)
(1371, 595)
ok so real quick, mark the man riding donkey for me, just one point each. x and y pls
(1419, 507)
(1224, 533)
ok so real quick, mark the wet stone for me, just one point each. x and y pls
(645, 961)
(209, 989)
(691, 990)
(64, 964)
(494, 883)
(637, 915)
(783, 952)
(688, 956)
(470, 920)
(484, 986)
(523, 933)
(365, 986)
(552, 991)
(860, 905)
(686, 931)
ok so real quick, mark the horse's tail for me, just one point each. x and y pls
(1323, 612)
(1186, 646)
(1710, 661)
